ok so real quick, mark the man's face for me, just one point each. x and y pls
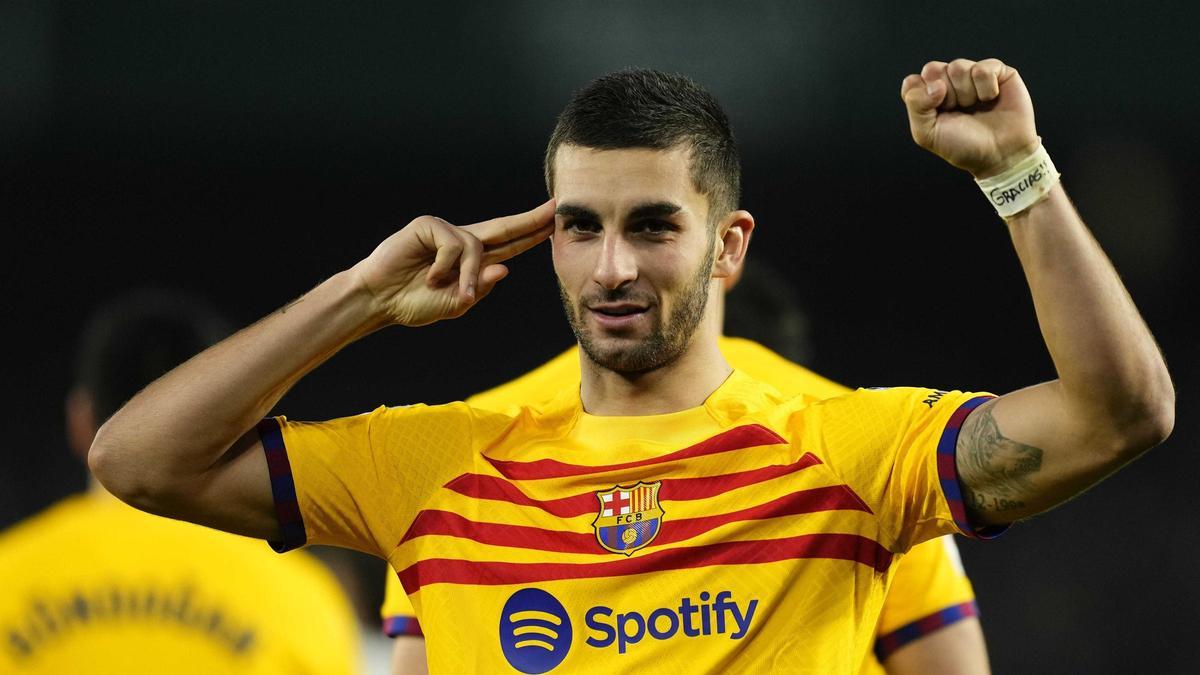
(633, 253)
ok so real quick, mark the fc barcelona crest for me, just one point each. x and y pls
(629, 518)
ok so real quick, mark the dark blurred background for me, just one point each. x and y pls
(245, 151)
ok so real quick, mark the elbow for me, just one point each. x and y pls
(1150, 423)
(115, 468)
(1160, 421)
(1158, 416)
(100, 460)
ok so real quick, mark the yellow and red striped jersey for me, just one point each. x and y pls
(766, 540)
(930, 589)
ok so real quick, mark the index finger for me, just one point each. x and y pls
(507, 228)
(510, 249)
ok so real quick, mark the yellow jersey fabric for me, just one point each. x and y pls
(755, 532)
(92, 585)
(930, 590)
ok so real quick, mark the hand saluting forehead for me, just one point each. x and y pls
(977, 115)
(507, 236)
(431, 270)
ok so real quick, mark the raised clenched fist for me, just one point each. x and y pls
(976, 115)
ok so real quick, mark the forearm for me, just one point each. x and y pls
(183, 424)
(1111, 372)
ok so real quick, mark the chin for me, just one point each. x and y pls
(632, 358)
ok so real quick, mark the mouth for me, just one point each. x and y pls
(618, 314)
(618, 308)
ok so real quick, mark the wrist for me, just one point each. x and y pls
(357, 303)
(1008, 162)
(1027, 181)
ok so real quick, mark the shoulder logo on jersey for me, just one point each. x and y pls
(630, 517)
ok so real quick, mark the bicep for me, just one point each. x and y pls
(1028, 451)
(233, 495)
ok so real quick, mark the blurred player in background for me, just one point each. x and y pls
(94, 586)
(929, 621)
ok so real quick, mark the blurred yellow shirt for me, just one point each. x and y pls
(94, 586)
(930, 590)
(755, 532)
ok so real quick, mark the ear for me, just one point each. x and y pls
(81, 421)
(733, 241)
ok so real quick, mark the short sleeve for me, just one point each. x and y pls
(397, 612)
(357, 482)
(929, 592)
(896, 449)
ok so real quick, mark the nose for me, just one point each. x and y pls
(616, 264)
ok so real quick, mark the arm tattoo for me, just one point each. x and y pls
(996, 470)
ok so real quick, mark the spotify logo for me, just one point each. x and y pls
(535, 631)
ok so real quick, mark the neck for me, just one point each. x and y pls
(684, 383)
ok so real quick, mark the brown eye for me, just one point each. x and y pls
(655, 227)
(582, 226)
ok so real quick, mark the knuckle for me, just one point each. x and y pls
(933, 69)
(959, 67)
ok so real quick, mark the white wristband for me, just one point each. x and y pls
(1022, 186)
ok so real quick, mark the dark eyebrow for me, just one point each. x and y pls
(654, 210)
(639, 212)
(575, 211)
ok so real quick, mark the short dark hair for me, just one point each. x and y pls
(135, 338)
(641, 108)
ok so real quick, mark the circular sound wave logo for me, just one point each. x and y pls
(535, 631)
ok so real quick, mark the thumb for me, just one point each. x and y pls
(922, 98)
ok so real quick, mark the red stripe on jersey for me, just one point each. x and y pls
(489, 573)
(690, 489)
(831, 498)
(738, 438)
(497, 489)
(435, 522)
(481, 486)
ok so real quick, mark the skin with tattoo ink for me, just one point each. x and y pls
(1004, 465)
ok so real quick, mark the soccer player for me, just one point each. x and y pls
(92, 585)
(928, 622)
(673, 513)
